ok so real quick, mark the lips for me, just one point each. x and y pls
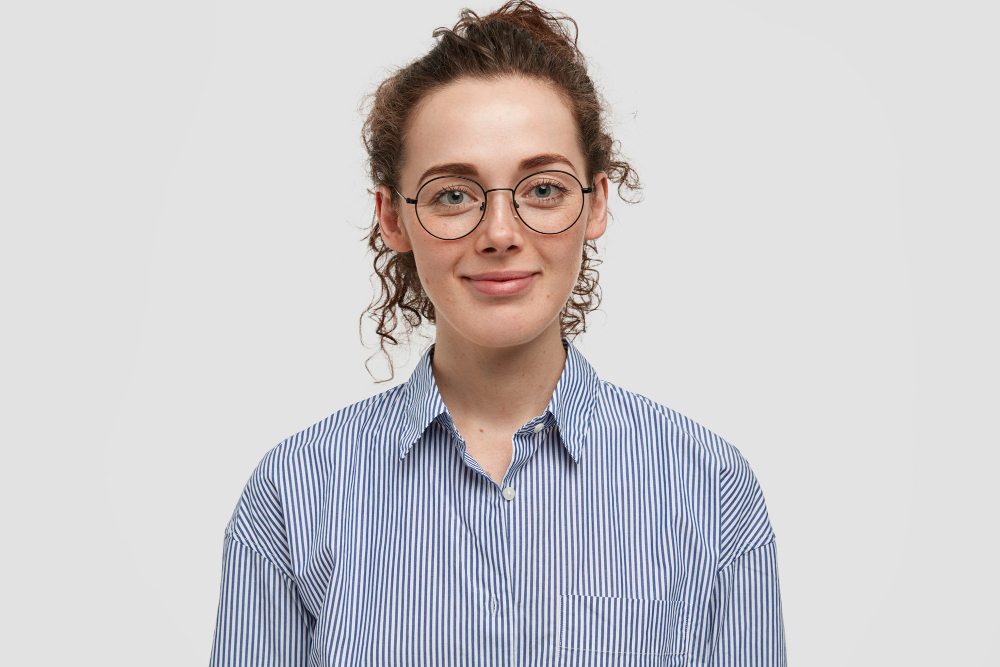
(502, 283)
(500, 276)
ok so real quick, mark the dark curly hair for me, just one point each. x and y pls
(519, 38)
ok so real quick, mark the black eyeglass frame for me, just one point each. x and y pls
(482, 207)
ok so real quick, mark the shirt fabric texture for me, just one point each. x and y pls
(624, 533)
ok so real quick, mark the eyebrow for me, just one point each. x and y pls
(466, 169)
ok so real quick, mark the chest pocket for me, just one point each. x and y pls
(596, 630)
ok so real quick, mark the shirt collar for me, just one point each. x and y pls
(571, 404)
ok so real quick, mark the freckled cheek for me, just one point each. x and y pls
(558, 288)
(427, 267)
(436, 281)
(567, 270)
(432, 285)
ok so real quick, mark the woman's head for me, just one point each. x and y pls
(495, 95)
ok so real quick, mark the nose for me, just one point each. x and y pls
(501, 227)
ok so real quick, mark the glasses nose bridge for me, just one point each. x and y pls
(513, 199)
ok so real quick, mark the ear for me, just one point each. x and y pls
(598, 219)
(393, 232)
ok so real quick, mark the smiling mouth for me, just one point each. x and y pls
(501, 276)
(502, 283)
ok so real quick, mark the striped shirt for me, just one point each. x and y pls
(623, 533)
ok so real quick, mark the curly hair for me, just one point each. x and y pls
(519, 38)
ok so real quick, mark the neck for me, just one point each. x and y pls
(499, 386)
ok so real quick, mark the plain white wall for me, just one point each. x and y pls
(812, 275)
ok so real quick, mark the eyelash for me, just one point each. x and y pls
(443, 191)
(557, 186)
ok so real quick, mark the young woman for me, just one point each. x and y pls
(504, 505)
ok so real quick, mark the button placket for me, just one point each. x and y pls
(511, 514)
(505, 592)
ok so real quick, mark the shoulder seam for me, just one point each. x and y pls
(771, 540)
(246, 545)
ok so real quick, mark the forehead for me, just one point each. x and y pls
(492, 125)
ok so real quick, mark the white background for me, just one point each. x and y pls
(812, 275)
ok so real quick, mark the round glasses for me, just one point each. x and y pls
(450, 207)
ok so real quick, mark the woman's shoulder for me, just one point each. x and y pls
(640, 411)
(743, 512)
(294, 475)
(333, 436)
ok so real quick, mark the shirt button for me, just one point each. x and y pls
(539, 426)
(508, 493)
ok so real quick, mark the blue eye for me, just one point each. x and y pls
(453, 197)
(545, 192)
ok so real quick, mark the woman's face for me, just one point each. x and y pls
(495, 132)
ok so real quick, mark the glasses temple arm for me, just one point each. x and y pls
(405, 198)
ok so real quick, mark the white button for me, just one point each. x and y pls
(508, 493)
(539, 426)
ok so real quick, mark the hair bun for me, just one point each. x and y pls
(549, 30)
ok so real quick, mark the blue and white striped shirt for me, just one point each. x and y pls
(623, 533)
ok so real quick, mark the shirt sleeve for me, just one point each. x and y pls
(262, 617)
(745, 604)
(749, 628)
(261, 620)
